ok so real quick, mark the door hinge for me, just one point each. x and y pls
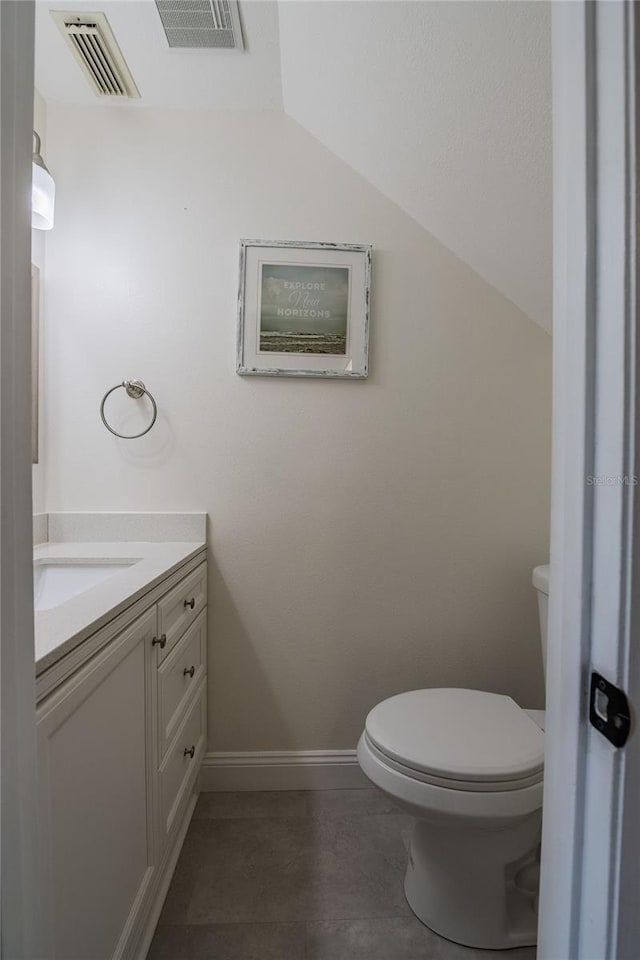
(609, 710)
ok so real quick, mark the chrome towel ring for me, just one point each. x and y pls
(135, 389)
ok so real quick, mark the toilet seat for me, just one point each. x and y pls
(473, 786)
(460, 739)
(422, 798)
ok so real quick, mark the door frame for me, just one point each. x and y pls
(594, 601)
(18, 878)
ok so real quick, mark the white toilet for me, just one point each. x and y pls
(468, 766)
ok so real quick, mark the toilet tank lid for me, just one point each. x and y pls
(541, 579)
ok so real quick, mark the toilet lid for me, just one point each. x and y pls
(466, 735)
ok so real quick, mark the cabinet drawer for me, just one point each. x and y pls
(179, 768)
(179, 675)
(180, 607)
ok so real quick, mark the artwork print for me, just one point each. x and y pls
(304, 309)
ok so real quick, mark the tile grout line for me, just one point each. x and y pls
(306, 922)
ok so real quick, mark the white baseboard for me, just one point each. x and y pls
(288, 770)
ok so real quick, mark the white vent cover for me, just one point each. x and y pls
(208, 24)
(97, 52)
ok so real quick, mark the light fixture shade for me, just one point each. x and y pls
(43, 198)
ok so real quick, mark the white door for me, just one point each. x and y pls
(591, 853)
(20, 909)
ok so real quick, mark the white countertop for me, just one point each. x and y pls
(60, 629)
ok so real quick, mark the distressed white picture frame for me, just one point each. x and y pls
(331, 318)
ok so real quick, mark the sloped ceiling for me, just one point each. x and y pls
(446, 108)
(187, 79)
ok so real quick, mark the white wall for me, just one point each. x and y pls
(38, 248)
(445, 108)
(365, 537)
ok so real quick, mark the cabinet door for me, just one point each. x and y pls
(95, 789)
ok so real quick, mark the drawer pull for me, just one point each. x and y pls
(190, 603)
(161, 641)
(189, 671)
(190, 752)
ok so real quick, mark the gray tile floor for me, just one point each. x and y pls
(309, 875)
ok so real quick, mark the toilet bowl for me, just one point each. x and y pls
(468, 766)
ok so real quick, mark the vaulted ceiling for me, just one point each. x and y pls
(445, 107)
(189, 79)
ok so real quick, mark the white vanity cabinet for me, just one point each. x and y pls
(120, 743)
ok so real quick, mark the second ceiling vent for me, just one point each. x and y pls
(201, 24)
(97, 52)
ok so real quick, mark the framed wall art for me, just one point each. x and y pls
(303, 309)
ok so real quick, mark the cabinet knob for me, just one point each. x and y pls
(190, 603)
(161, 641)
(189, 671)
(190, 752)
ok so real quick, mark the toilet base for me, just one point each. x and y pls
(475, 886)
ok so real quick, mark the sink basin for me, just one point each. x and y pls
(56, 581)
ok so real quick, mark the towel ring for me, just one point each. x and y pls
(135, 389)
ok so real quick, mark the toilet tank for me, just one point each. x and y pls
(541, 583)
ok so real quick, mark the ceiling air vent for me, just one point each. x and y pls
(96, 50)
(201, 24)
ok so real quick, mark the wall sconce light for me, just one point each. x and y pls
(43, 191)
